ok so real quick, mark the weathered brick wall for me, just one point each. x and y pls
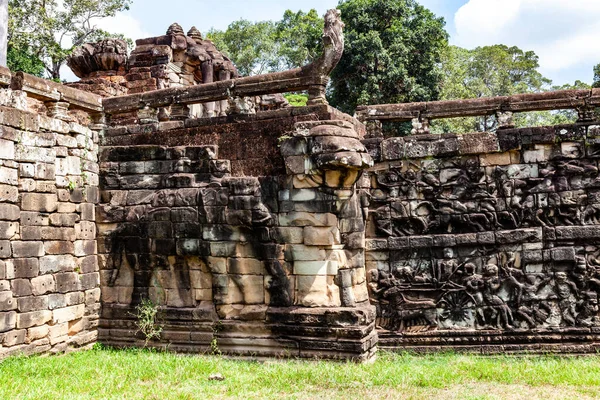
(49, 281)
(486, 241)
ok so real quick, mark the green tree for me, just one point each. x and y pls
(298, 39)
(22, 59)
(392, 54)
(489, 71)
(49, 30)
(596, 83)
(267, 46)
(250, 45)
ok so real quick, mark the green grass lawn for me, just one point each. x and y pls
(140, 374)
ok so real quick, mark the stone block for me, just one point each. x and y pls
(32, 303)
(59, 247)
(7, 301)
(9, 176)
(7, 150)
(67, 314)
(85, 248)
(8, 229)
(21, 287)
(27, 249)
(217, 265)
(8, 321)
(288, 235)
(58, 333)
(56, 300)
(34, 154)
(9, 193)
(23, 268)
(88, 211)
(317, 291)
(42, 285)
(60, 219)
(5, 250)
(328, 267)
(251, 287)
(85, 230)
(57, 263)
(15, 338)
(34, 318)
(39, 202)
(88, 264)
(9, 212)
(307, 219)
(245, 266)
(32, 218)
(37, 332)
(321, 236)
(67, 282)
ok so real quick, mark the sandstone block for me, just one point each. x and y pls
(8, 321)
(37, 332)
(9, 194)
(321, 236)
(27, 249)
(34, 318)
(67, 314)
(22, 268)
(85, 230)
(60, 219)
(316, 267)
(39, 202)
(9, 212)
(217, 265)
(59, 247)
(307, 219)
(85, 248)
(9, 176)
(317, 291)
(67, 282)
(56, 300)
(8, 229)
(42, 285)
(7, 149)
(245, 266)
(32, 218)
(32, 303)
(57, 263)
(7, 301)
(5, 252)
(58, 333)
(21, 287)
(15, 337)
(251, 288)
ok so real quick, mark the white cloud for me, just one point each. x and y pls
(125, 24)
(564, 34)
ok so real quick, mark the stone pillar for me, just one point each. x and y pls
(3, 32)
(208, 77)
(224, 75)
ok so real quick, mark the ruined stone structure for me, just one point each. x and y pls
(272, 231)
(49, 279)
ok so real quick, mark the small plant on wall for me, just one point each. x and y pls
(147, 320)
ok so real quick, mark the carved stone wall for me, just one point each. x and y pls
(487, 242)
(49, 280)
(231, 240)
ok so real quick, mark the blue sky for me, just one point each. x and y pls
(564, 33)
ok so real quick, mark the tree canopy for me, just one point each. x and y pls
(392, 52)
(45, 32)
(267, 46)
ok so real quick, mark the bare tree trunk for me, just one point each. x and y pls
(3, 31)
